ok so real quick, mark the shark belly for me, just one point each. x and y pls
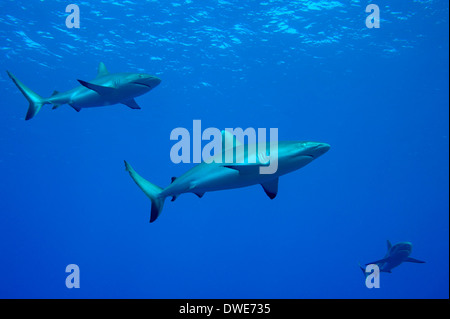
(84, 98)
(215, 177)
(393, 261)
(387, 267)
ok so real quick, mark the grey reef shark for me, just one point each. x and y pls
(396, 255)
(218, 174)
(106, 89)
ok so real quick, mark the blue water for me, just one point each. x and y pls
(311, 69)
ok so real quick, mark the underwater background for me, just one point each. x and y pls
(312, 69)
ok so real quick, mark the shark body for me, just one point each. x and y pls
(106, 89)
(218, 175)
(396, 255)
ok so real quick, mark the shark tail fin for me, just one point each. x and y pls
(152, 191)
(363, 270)
(34, 99)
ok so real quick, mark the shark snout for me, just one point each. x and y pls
(405, 246)
(148, 80)
(318, 149)
(155, 80)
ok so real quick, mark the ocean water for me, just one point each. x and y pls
(312, 69)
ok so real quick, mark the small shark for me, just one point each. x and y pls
(106, 89)
(215, 176)
(395, 255)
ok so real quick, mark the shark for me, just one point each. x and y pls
(106, 89)
(217, 174)
(396, 255)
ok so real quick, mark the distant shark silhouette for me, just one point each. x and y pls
(397, 254)
(208, 177)
(106, 89)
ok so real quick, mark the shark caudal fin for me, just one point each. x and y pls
(363, 270)
(35, 100)
(152, 191)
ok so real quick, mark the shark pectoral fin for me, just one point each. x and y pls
(242, 169)
(132, 104)
(102, 90)
(271, 188)
(413, 260)
(246, 168)
(173, 198)
(378, 261)
(55, 106)
(76, 108)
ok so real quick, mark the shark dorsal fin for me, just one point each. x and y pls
(102, 71)
(228, 140)
(389, 245)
